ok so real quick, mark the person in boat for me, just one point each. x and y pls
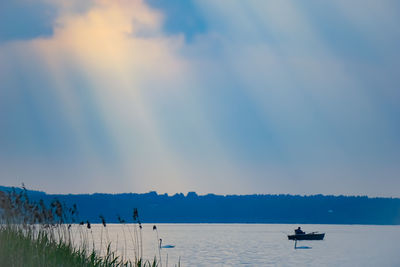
(298, 231)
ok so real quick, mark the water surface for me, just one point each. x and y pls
(261, 244)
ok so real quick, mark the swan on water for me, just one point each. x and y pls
(165, 246)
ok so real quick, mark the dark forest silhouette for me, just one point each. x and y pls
(192, 208)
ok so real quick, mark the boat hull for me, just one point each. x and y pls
(307, 237)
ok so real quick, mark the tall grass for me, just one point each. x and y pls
(34, 234)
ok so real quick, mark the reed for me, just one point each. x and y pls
(32, 234)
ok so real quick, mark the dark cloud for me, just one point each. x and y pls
(181, 17)
(22, 20)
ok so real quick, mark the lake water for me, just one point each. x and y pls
(260, 244)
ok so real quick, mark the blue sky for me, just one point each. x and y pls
(209, 96)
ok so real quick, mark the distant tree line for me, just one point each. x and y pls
(193, 208)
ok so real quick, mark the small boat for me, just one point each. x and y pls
(309, 236)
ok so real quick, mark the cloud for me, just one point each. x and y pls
(252, 97)
(181, 18)
(22, 19)
(93, 87)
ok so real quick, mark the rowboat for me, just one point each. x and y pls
(309, 236)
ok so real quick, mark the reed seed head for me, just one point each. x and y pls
(120, 219)
(103, 220)
(135, 214)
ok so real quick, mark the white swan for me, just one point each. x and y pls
(165, 246)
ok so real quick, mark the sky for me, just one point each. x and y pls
(225, 97)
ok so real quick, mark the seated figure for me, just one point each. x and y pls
(298, 231)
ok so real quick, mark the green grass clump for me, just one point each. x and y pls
(18, 248)
(32, 234)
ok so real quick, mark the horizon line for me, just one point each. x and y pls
(200, 194)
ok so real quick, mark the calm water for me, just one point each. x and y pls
(262, 244)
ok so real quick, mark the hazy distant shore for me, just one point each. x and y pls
(192, 208)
